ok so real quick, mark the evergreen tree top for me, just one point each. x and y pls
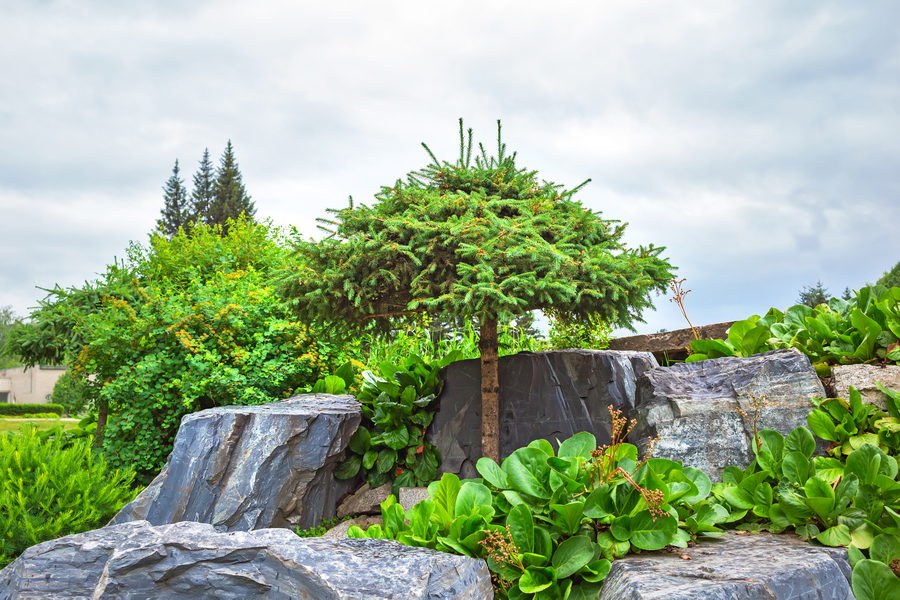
(480, 237)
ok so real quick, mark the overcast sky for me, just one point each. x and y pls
(759, 141)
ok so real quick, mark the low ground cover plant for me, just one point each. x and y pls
(49, 490)
(865, 328)
(549, 521)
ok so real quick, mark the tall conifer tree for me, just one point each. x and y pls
(230, 199)
(175, 213)
(202, 194)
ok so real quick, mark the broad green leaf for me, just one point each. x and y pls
(571, 555)
(885, 548)
(535, 579)
(521, 527)
(650, 534)
(527, 472)
(492, 473)
(795, 467)
(872, 580)
(349, 468)
(822, 425)
(839, 535)
(738, 497)
(471, 495)
(800, 440)
(581, 444)
(596, 571)
(360, 441)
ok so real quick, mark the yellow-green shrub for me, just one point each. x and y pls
(48, 491)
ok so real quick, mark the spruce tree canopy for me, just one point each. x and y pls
(202, 194)
(175, 213)
(481, 239)
(229, 200)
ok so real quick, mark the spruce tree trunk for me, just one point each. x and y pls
(490, 389)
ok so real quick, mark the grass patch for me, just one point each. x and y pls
(15, 425)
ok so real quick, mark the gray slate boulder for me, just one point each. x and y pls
(550, 395)
(751, 567)
(251, 467)
(692, 407)
(193, 561)
(863, 378)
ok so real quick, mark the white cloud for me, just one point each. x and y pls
(756, 140)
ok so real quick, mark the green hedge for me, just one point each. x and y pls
(30, 409)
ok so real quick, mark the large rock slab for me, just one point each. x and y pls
(692, 407)
(751, 567)
(193, 561)
(863, 378)
(550, 395)
(251, 467)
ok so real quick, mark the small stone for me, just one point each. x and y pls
(339, 531)
(410, 496)
(863, 378)
(364, 501)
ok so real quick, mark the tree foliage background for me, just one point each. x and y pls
(185, 324)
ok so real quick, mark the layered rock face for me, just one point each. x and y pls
(550, 395)
(735, 568)
(193, 561)
(692, 407)
(251, 467)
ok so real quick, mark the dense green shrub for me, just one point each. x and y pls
(864, 329)
(72, 392)
(48, 491)
(398, 407)
(204, 328)
(30, 409)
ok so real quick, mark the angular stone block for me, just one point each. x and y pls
(863, 378)
(189, 560)
(550, 395)
(751, 567)
(252, 467)
(364, 501)
(692, 407)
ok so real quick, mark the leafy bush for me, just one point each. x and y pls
(397, 403)
(865, 328)
(206, 329)
(430, 341)
(72, 392)
(48, 491)
(30, 409)
(585, 332)
(549, 522)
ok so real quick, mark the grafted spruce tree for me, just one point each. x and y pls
(483, 239)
